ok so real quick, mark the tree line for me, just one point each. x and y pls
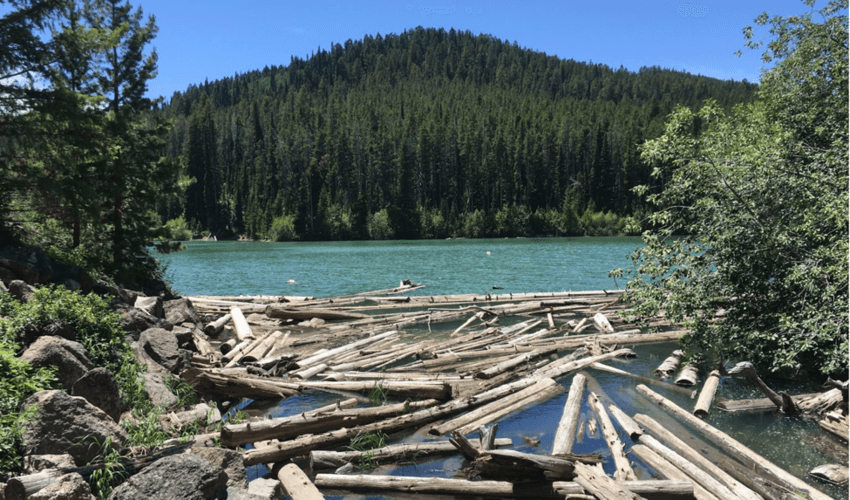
(425, 134)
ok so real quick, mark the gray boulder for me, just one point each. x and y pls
(99, 388)
(134, 321)
(69, 356)
(69, 424)
(21, 290)
(180, 311)
(184, 334)
(187, 477)
(228, 460)
(68, 487)
(157, 392)
(150, 305)
(161, 345)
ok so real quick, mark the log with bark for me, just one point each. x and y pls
(689, 374)
(670, 364)
(436, 389)
(212, 382)
(278, 311)
(322, 459)
(518, 467)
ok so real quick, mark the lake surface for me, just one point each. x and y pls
(323, 269)
(463, 266)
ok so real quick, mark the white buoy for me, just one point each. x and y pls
(488, 252)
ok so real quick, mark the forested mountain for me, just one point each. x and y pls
(430, 133)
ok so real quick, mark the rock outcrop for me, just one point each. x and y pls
(69, 424)
(187, 477)
(69, 356)
(161, 345)
(228, 460)
(179, 311)
(99, 388)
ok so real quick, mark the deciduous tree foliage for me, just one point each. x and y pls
(761, 194)
(429, 131)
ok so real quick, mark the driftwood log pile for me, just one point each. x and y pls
(446, 367)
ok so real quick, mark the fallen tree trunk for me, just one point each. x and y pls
(544, 394)
(435, 486)
(297, 425)
(706, 396)
(240, 325)
(214, 328)
(623, 471)
(237, 385)
(556, 369)
(594, 480)
(320, 459)
(511, 363)
(320, 357)
(305, 444)
(297, 485)
(740, 452)
(521, 467)
(425, 389)
(756, 405)
(669, 365)
(278, 311)
(689, 375)
(566, 433)
(666, 470)
(491, 408)
(646, 380)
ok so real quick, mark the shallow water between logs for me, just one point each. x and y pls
(790, 442)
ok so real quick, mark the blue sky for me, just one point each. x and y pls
(212, 39)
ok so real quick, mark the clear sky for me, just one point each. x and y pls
(212, 39)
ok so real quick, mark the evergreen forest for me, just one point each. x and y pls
(425, 134)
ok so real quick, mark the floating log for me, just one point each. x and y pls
(317, 358)
(632, 429)
(544, 394)
(623, 471)
(426, 389)
(240, 351)
(305, 444)
(214, 328)
(740, 452)
(511, 363)
(831, 473)
(240, 325)
(669, 365)
(566, 433)
(836, 424)
(278, 311)
(558, 369)
(262, 348)
(783, 402)
(297, 425)
(820, 403)
(706, 396)
(297, 485)
(321, 459)
(237, 385)
(491, 408)
(306, 373)
(757, 405)
(519, 467)
(693, 456)
(666, 470)
(601, 486)
(651, 490)
(487, 436)
(689, 375)
(435, 486)
(646, 380)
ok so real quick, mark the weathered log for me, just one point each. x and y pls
(664, 469)
(297, 425)
(20, 487)
(602, 323)
(487, 436)
(464, 446)
(317, 358)
(694, 457)
(595, 481)
(836, 424)
(306, 373)
(651, 490)
(548, 466)
(557, 369)
(214, 328)
(240, 325)
(236, 350)
(376, 360)
(490, 408)
(831, 473)
(237, 385)
(321, 459)
(544, 394)
(226, 347)
(297, 485)
(551, 321)
(688, 375)
(305, 444)
(747, 369)
(202, 412)
(740, 452)
(647, 380)
(263, 347)
(669, 365)
(706, 396)
(623, 471)
(279, 311)
(820, 403)
(435, 486)
(239, 352)
(566, 433)
(756, 405)
(632, 429)
(513, 362)
(427, 389)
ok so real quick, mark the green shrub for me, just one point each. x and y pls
(379, 226)
(283, 228)
(176, 229)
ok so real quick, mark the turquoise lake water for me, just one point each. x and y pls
(464, 266)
